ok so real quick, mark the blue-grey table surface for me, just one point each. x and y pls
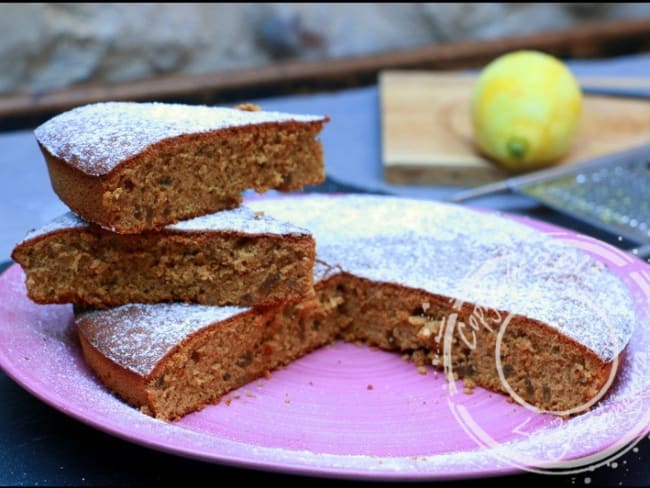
(41, 446)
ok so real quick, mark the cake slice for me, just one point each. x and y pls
(173, 359)
(231, 257)
(132, 167)
(485, 299)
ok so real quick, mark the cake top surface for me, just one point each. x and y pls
(96, 138)
(153, 329)
(242, 220)
(469, 256)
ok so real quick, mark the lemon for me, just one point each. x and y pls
(526, 109)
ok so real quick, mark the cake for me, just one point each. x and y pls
(233, 257)
(486, 299)
(173, 359)
(132, 167)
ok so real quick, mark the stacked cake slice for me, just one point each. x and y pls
(232, 257)
(135, 167)
(131, 171)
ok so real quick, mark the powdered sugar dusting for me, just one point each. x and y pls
(96, 138)
(241, 220)
(137, 336)
(479, 258)
(68, 220)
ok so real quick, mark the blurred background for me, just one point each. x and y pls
(54, 56)
(51, 46)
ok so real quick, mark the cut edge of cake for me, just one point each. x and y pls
(233, 257)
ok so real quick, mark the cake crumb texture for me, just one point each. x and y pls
(232, 257)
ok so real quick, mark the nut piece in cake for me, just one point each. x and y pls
(132, 167)
(229, 257)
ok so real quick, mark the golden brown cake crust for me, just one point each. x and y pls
(130, 385)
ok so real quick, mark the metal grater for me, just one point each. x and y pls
(615, 198)
(610, 192)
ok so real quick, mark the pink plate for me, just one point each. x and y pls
(345, 410)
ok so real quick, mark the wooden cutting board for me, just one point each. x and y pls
(427, 136)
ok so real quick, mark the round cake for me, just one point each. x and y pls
(486, 299)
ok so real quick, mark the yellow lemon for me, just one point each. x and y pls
(526, 109)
